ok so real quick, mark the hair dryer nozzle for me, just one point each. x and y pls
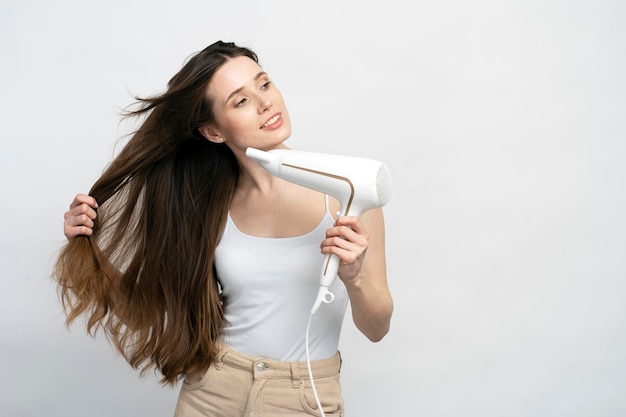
(260, 156)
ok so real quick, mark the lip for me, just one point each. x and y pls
(278, 123)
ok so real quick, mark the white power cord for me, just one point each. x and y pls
(308, 364)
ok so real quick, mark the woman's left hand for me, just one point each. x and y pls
(348, 239)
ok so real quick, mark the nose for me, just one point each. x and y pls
(264, 104)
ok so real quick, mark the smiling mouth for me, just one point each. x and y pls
(271, 121)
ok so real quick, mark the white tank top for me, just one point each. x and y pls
(269, 286)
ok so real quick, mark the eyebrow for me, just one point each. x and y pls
(237, 91)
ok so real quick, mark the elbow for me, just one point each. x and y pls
(375, 338)
(378, 334)
(374, 323)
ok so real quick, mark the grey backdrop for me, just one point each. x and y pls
(503, 123)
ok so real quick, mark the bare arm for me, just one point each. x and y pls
(365, 277)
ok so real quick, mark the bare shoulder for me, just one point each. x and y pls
(374, 220)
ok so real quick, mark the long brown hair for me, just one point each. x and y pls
(146, 276)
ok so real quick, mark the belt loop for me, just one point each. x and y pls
(295, 375)
(340, 360)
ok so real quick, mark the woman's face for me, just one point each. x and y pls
(249, 110)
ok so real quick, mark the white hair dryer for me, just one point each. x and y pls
(360, 184)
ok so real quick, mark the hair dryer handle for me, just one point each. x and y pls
(330, 268)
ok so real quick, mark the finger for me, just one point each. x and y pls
(345, 249)
(71, 232)
(81, 210)
(79, 220)
(84, 199)
(352, 222)
(78, 224)
(348, 233)
(346, 220)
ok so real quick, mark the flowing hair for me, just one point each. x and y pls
(146, 276)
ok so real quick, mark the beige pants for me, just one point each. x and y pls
(238, 385)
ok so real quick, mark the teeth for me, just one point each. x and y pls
(272, 120)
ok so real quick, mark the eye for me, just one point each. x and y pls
(265, 85)
(241, 102)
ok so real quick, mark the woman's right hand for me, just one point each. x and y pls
(79, 218)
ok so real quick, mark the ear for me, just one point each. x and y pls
(211, 134)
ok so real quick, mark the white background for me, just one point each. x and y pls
(503, 123)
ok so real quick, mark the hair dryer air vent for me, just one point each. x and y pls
(383, 184)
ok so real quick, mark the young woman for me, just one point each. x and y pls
(194, 260)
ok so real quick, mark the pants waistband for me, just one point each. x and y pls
(263, 368)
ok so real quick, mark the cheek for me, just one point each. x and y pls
(227, 121)
(239, 125)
